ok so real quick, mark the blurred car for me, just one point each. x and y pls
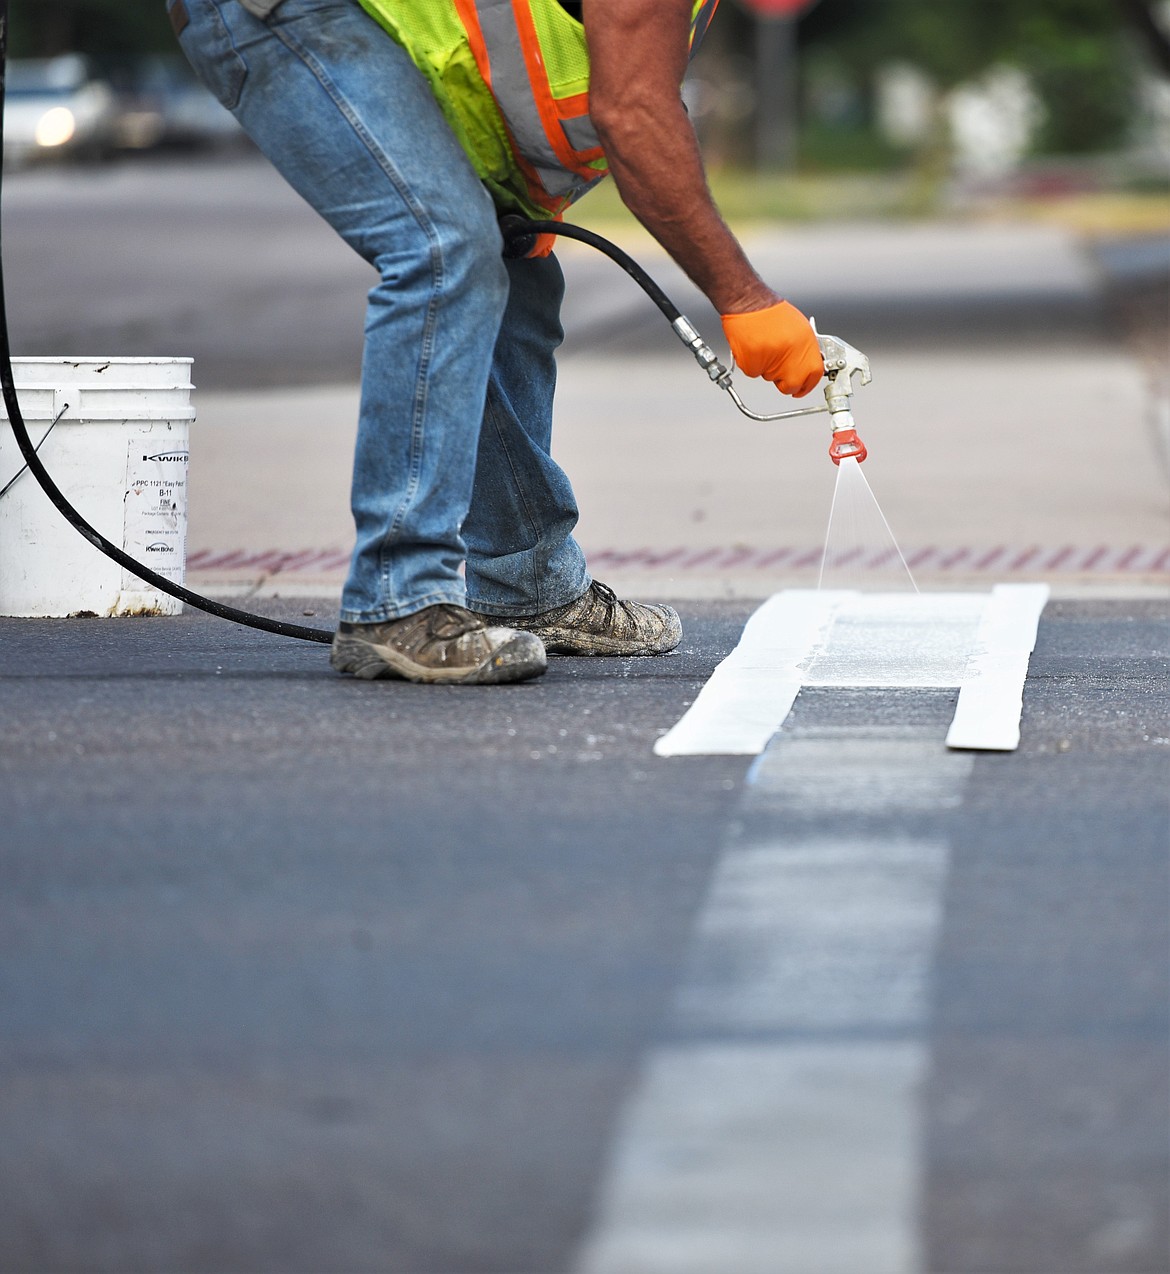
(161, 103)
(56, 107)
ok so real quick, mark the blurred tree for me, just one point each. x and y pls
(1144, 18)
(1082, 67)
(1078, 53)
(41, 28)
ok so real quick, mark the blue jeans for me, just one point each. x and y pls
(452, 467)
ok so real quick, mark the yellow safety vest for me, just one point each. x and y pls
(512, 80)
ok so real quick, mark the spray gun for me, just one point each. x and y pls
(842, 361)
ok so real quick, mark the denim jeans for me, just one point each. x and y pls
(455, 496)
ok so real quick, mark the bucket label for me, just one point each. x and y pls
(156, 508)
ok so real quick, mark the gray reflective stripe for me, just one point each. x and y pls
(580, 133)
(513, 94)
(700, 22)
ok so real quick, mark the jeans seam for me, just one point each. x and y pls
(225, 30)
(418, 421)
(530, 520)
(438, 275)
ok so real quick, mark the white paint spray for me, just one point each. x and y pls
(860, 549)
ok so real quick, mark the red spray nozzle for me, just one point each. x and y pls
(846, 445)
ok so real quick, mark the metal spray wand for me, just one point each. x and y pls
(842, 361)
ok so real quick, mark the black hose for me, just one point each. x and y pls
(520, 237)
(515, 230)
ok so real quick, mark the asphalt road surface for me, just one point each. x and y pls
(301, 973)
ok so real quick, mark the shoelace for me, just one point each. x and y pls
(608, 598)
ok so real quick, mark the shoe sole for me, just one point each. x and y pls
(572, 643)
(369, 661)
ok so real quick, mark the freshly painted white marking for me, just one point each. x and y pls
(758, 1159)
(817, 936)
(753, 689)
(860, 771)
(978, 641)
(895, 639)
(987, 716)
(776, 1130)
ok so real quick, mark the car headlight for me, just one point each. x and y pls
(55, 127)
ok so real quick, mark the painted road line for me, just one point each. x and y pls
(991, 699)
(777, 1127)
(751, 692)
(766, 1159)
(804, 637)
(826, 935)
(269, 561)
(1067, 559)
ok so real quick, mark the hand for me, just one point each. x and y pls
(779, 344)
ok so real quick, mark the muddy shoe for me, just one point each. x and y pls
(597, 623)
(439, 644)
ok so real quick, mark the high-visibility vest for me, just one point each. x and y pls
(512, 80)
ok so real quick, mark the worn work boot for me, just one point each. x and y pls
(597, 623)
(442, 643)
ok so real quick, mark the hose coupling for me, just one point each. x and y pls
(704, 355)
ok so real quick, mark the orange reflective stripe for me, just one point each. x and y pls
(553, 141)
(546, 104)
(701, 21)
(578, 126)
(568, 107)
(582, 136)
(554, 205)
(516, 99)
(469, 16)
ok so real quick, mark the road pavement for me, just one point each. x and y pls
(301, 973)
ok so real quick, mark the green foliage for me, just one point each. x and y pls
(40, 28)
(1082, 70)
(1076, 52)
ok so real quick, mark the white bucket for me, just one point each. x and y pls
(118, 452)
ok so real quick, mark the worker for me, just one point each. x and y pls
(411, 126)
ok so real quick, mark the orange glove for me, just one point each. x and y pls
(778, 344)
(543, 246)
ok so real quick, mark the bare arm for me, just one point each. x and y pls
(638, 53)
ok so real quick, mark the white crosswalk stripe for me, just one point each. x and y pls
(776, 1128)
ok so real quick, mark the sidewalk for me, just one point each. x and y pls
(1010, 433)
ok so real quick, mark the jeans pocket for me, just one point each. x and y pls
(210, 49)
